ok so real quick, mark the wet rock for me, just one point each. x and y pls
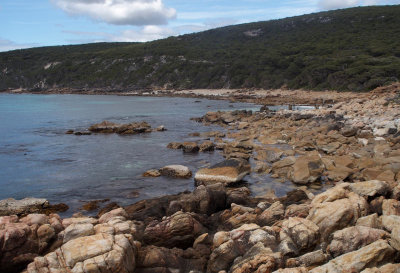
(391, 207)
(178, 230)
(336, 208)
(93, 205)
(152, 173)
(353, 238)
(176, 171)
(295, 196)
(175, 145)
(307, 169)
(207, 146)
(257, 259)
(203, 200)
(271, 215)
(283, 166)
(107, 127)
(375, 254)
(227, 172)
(26, 206)
(270, 156)
(370, 188)
(161, 128)
(190, 147)
(238, 196)
(150, 209)
(298, 234)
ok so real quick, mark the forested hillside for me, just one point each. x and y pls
(351, 49)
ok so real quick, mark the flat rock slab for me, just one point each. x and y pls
(227, 172)
(11, 206)
(177, 171)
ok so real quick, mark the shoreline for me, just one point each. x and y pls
(257, 96)
(353, 146)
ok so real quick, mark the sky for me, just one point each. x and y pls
(35, 23)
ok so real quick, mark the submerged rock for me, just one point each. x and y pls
(190, 147)
(226, 172)
(107, 127)
(152, 173)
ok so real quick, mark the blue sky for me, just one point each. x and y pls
(33, 23)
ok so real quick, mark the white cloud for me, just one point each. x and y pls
(337, 4)
(6, 45)
(144, 34)
(148, 33)
(120, 12)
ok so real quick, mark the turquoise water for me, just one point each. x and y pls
(37, 158)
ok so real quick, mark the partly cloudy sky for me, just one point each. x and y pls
(32, 23)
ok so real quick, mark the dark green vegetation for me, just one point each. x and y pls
(351, 49)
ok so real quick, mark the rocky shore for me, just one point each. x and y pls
(344, 215)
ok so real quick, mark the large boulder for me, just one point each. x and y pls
(336, 209)
(227, 172)
(106, 245)
(375, 254)
(21, 240)
(227, 246)
(177, 230)
(298, 234)
(102, 252)
(353, 238)
(176, 171)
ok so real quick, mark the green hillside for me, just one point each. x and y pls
(351, 49)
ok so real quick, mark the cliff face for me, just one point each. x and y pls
(352, 49)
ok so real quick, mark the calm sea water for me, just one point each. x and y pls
(37, 158)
